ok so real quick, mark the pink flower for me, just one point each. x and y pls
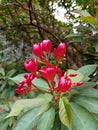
(37, 50)
(31, 65)
(60, 51)
(46, 45)
(64, 84)
(48, 72)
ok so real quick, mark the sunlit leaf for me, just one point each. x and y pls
(26, 104)
(65, 112)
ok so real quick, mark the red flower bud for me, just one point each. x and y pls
(21, 84)
(21, 91)
(60, 51)
(48, 72)
(37, 50)
(64, 84)
(1, 109)
(73, 75)
(29, 78)
(31, 65)
(46, 45)
(78, 84)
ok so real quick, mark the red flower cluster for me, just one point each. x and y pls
(48, 71)
(25, 85)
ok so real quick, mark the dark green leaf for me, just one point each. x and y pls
(63, 127)
(11, 72)
(74, 35)
(82, 119)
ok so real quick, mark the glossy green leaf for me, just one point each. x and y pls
(65, 112)
(82, 119)
(90, 92)
(26, 104)
(91, 104)
(47, 119)
(77, 78)
(40, 83)
(87, 70)
(28, 120)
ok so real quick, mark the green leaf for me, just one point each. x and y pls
(87, 70)
(86, 85)
(26, 104)
(47, 119)
(96, 116)
(65, 112)
(57, 123)
(11, 72)
(84, 13)
(63, 127)
(90, 92)
(18, 78)
(77, 78)
(74, 35)
(89, 19)
(82, 119)
(2, 71)
(43, 108)
(91, 104)
(40, 83)
(28, 121)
